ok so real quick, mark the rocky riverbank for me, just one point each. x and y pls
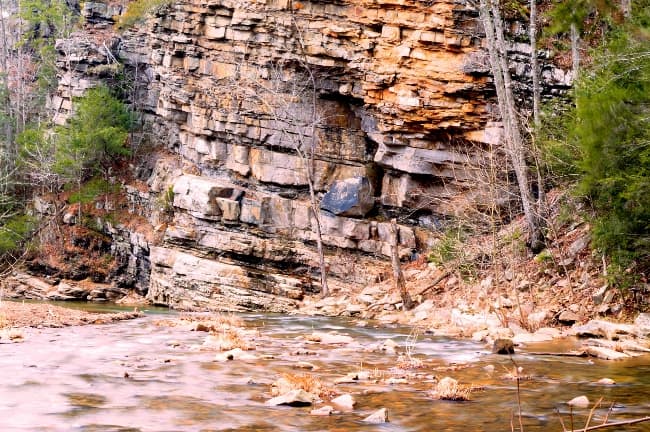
(528, 299)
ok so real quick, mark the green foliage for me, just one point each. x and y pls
(14, 232)
(93, 137)
(544, 257)
(91, 190)
(612, 129)
(565, 13)
(138, 10)
(46, 20)
(450, 249)
(166, 200)
(559, 156)
(36, 150)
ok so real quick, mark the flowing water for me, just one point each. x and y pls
(75, 379)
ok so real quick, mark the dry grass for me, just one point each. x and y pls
(214, 323)
(307, 382)
(449, 389)
(6, 331)
(516, 373)
(12, 334)
(406, 361)
(228, 339)
(4, 322)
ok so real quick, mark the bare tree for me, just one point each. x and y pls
(398, 276)
(287, 93)
(534, 62)
(515, 145)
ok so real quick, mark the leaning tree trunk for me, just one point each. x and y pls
(398, 276)
(514, 142)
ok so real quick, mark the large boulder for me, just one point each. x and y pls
(349, 197)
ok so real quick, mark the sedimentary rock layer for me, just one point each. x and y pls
(249, 102)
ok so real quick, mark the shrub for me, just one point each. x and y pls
(91, 190)
(450, 249)
(15, 232)
(138, 10)
(449, 389)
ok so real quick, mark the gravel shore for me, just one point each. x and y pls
(16, 314)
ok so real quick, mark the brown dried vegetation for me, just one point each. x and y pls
(307, 382)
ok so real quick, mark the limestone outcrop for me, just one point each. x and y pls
(248, 102)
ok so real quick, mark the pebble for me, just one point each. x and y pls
(579, 402)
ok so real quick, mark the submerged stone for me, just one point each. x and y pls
(322, 411)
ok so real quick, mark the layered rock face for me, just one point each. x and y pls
(381, 107)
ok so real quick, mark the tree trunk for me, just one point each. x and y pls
(514, 142)
(575, 54)
(324, 290)
(398, 276)
(8, 154)
(534, 63)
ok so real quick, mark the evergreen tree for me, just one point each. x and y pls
(612, 130)
(93, 136)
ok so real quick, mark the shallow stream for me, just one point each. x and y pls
(75, 379)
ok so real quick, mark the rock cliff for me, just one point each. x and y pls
(389, 100)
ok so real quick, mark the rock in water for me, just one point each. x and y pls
(606, 381)
(349, 197)
(322, 411)
(579, 402)
(503, 346)
(379, 416)
(330, 338)
(604, 353)
(346, 402)
(295, 398)
(234, 354)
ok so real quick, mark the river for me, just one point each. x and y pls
(142, 376)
